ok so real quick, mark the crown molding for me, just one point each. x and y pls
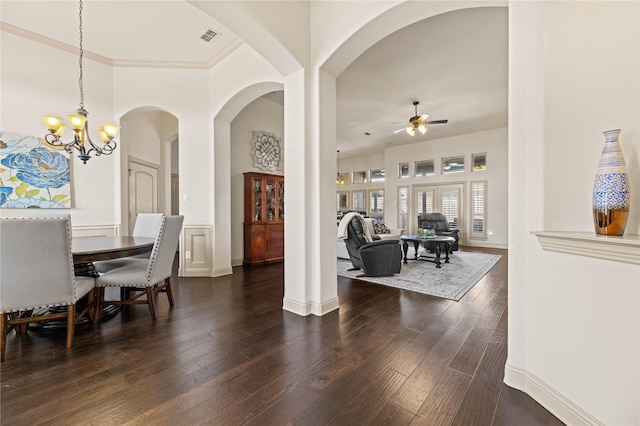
(122, 63)
(39, 38)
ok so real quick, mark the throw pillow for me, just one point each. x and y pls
(379, 226)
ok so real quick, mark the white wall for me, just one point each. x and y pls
(492, 142)
(260, 115)
(147, 132)
(38, 80)
(593, 76)
(574, 321)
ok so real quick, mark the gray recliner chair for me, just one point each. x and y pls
(374, 258)
(439, 223)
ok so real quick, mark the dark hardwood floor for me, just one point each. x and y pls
(227, 354)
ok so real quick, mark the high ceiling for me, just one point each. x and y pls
(455, 64)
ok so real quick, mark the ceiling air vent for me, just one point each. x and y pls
(208, 35)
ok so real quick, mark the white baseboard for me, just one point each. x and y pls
(194, 272)
(485, 244)
(221, 272)
(559, 405)
(309, 308)
(237, 262)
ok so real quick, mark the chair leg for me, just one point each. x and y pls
(169, 293)
(3, 331)
(71, 324)
(91, 305)
(99, 303)
(151, 302)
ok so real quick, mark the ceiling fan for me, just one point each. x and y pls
(418, 122)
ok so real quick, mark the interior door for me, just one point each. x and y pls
(445, 199)
(175, 194)
(143, 190)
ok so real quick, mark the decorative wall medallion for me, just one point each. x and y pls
(32, 176)
(265, 151)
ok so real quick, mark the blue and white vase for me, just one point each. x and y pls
(611, 190)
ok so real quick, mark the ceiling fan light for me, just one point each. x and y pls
(410, 130)
(422, 128)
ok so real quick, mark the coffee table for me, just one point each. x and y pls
(437, 244)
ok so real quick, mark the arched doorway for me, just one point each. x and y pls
(150, 137)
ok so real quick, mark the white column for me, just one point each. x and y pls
(526, 180)
(298, 216)
(310, 258)
(222, 199)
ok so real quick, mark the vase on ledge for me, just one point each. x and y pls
(611, 190)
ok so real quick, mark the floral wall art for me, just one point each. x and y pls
(265, 151)
(31, 175)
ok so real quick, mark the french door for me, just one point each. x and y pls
(445, 199)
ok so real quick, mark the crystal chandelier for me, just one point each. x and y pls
(78, 122)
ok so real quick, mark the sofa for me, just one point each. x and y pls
(373, 225)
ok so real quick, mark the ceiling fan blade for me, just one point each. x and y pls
(398, 122)
(436, 122)
(423, 117)
(399, 130)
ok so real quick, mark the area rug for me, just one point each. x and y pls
(452, 281)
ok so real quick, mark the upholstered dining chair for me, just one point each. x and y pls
(144, 277)
(147, 225)
(36, 273)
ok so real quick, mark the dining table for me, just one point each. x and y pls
(85, 251)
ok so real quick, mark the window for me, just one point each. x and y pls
(344, 178)
(425, 200)
(343, 201)
(403, 170)
(478, 210)
(359, 177)
(403, 207)
(376, 203)
(452, 165)
(449, 206)
(377, 175)
(423, 168)
(358, 201)
(479, 162)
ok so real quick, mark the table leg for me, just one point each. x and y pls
(448, 248)
(405, 248)
(416, 246)
(438, 250)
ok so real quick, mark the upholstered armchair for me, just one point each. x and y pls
(374, 258)
(438, 222)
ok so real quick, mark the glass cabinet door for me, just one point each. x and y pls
(270, 199)
(281, 200)
(257, 199)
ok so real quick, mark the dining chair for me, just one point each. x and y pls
(144, 277)
(147, 225)
(36, 273)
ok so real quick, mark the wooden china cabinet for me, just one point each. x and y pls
(263, 218)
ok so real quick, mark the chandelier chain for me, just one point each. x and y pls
(81, 140)
(80, 81)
